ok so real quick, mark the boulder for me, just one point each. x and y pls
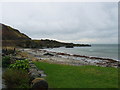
(39, 84)
(49, 54)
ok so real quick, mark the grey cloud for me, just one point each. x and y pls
(64, 21)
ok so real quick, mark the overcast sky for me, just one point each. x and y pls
(91, 22)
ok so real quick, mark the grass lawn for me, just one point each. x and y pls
(65, 76)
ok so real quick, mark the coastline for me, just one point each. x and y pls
(96, 50)
(69, 59)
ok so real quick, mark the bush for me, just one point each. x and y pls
(5, 61)
(20, 64)
(8, 51)
(16, 78)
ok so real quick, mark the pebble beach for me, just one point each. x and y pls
(69, 59)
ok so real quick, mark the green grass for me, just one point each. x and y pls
(65, 76)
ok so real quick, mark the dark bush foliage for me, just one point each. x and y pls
(8, 51)
(16, 78)
(5, 61)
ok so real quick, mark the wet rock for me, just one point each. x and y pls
(119, 65)
(62, 54)
(49, 54)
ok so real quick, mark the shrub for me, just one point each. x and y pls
(8, 50)
(20, 64)
(16, 78)
(5, 61)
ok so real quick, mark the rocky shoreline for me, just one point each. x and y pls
(70, 59)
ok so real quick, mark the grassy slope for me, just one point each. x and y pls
(64, 76)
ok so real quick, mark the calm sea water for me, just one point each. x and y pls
(99, 50)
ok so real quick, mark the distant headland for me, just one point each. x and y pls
(13, 37)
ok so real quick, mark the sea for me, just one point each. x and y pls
(98, 50)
